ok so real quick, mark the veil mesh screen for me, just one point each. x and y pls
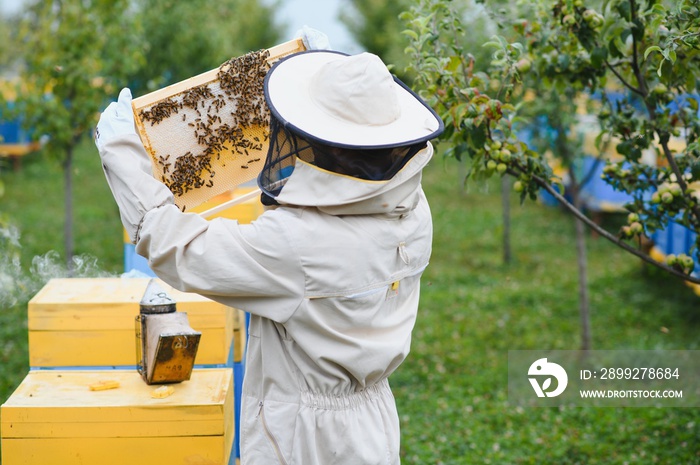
(363, 163)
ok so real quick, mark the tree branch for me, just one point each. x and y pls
(641, 82)
(623, 80)
(679, 176)
(604, 233)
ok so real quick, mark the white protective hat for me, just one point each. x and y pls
(349, 101)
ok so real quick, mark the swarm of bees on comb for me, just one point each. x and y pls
(220, 115)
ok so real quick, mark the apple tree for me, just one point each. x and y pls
(649, 49)
(74, 54)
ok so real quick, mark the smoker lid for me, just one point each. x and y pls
(156, 300)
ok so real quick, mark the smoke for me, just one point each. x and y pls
(18, 286)
(50, 265)
(14, 284)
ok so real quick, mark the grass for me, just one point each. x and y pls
(33, 202)
(452, 390)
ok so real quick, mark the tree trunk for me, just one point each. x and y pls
(68, 204)
(582, 264)
(505, 206)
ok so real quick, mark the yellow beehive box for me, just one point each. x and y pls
(90, 322)
(245, 212)
(55, 418)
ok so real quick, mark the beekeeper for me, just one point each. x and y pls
(330, 276)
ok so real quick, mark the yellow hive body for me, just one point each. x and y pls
(91, 322)
(55, 418)
(244, 212)
(208, 134)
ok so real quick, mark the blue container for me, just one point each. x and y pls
(597, 195)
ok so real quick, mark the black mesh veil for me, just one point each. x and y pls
(372, 164)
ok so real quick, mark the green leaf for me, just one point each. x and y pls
(669, 54)
(599, 140)
(624, 147)
(653, 48)
(410, 33)
(492, 44)
(624, 9)
(477, 136)
(613, 49)
(453, 64)
(658, 9)
(598, 56)
(695, 170)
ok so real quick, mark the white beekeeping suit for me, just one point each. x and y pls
(330, 276)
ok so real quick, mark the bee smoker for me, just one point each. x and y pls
(166, 345)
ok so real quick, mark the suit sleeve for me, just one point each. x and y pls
(127, 168)
(253, 267)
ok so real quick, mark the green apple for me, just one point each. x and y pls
(523, 65)
(659, 89)
(687, 262)
(636, 227)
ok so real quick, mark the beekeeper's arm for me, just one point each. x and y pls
(252, 267)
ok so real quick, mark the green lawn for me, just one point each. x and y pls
(33, 203)
(452, 390)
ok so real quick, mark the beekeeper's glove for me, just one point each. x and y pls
(116, 120)
(313, 39)
(127, 166)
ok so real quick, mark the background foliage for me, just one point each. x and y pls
(645, 49)
(451, 392)
(74, 56)
(183, 39)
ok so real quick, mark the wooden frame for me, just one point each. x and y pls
(226, 171)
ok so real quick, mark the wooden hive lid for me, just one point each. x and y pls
(108, 303)
(60, 404)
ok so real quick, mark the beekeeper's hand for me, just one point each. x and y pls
(116, 120)
(127, 166)
(313, 39)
